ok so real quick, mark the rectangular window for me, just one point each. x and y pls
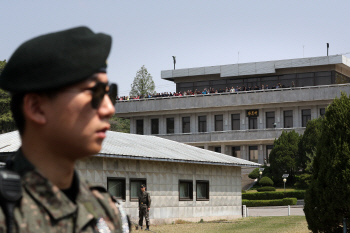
(186, 128)
(322, 112)
(253, 122)
(235, 122)
(306, 116)
(202, 187)
(270, 119)
(236, 151)
(202, 124)
(139, 127)
(170, 125)
(185, 190)
(155, 126)
(288, 119)
(135, 188)
(217, 149)
(219, 123)
(253, 154)
(116, 187)
(268, 151)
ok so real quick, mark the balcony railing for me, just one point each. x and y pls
(233, 93)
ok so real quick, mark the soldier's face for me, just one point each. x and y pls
(143, 189)
(75, 124)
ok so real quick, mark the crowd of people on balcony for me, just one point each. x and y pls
(206, 91)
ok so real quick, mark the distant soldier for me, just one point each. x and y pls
(144, 206)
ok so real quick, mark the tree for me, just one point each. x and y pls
(283, 157)
(6, 121)
(308, 142)
(327, 200)
(119, 124)
(142, 84)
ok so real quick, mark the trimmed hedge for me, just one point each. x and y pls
(266, 189)
(278, 202)
(266, 181)
(273, 195)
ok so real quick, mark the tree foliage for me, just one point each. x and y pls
(308, 142)
(142, 84)
(6, 121)
(266, 181)
(327, 201)
(283, 156)
(254, 174)
(119, 124)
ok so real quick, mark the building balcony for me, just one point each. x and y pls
(231, 137)
(231, 101)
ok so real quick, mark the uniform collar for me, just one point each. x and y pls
(54, 201)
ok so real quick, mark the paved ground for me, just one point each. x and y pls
(275, 211)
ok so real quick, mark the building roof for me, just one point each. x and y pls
(144, 147)
(256, 68)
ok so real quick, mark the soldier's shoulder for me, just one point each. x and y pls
(2, 221)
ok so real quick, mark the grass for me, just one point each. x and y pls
(286, 224)
(277, 190)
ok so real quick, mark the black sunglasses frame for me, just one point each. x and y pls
(99, 92)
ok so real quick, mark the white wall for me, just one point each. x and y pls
(162, 183)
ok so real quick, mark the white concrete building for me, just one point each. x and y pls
(185, 182)
(241, 124)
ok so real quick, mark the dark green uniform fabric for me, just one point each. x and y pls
(144, 204)
(45, 208)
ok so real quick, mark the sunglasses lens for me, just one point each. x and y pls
(98, 93)
(113, 92)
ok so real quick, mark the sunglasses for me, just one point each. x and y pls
(100, 90)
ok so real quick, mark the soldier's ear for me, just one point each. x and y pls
(32, 108)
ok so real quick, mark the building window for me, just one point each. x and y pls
(236, 151)
(217, 149)
(154, 126)
(288, 119)
(139, 126)
(186, 127)
(235, 122)
(116, 187)
(202, 124)
(219, 126)
(170, 125)
(268, 151)
(202, 187)
(253, 122)
(270, 119)
(185, 190)
(322, 112)
(135, 188)
(253, 154)
(306, 116)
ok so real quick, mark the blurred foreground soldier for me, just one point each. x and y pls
(144, 206)
(59, 88)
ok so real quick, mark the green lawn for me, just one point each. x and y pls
(253, 224)
(277, 190)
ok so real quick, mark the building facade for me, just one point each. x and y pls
(185, 182)
(242, 124)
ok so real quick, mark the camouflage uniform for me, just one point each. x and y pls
(144, 204)
(45, 208)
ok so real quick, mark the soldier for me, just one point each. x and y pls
(58, 85)
(144, 206)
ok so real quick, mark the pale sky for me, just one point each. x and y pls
(198, 32)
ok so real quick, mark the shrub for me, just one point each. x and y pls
(273, 195)
(243, 191)
(303, 181)
(254, 174)
(266, 181)
(266, 189)
(275, 202)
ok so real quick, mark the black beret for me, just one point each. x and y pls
(56, 60)
(143, 186)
